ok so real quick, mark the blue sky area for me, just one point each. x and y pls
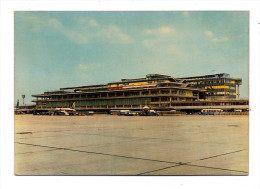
(62, 49)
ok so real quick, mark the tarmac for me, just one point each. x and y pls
(131, 145)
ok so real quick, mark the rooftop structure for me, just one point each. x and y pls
(218, 86)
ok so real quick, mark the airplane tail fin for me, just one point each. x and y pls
(17, 104)
(73, 105)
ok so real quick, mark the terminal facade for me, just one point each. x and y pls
(218, 86)
(159, 92)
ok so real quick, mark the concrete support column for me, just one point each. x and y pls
(238, 94)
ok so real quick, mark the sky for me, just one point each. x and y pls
(64, 49)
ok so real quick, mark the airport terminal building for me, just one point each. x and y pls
(159, 92)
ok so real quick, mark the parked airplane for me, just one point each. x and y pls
(65, 111)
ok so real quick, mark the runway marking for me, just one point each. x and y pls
(22, 133)
(176, 164)
(188, 164)
(216, 168)
(218, 155)
(193, 166)
(159, 169)
(99, 153)
(35, 152)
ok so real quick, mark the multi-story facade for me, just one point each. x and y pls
(218, 86)
(160, 92)
(156, 91)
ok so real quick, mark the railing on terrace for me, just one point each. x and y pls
(112, 97)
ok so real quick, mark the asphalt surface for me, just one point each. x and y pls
(135, 145)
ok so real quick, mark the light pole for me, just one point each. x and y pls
(23, 96)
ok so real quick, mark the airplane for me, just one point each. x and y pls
(147, 111)
(65, 111)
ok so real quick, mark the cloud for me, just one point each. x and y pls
(148, 31)
(38, 22)
(157, 38)
(56, 25)
(220, 39)
(83, 67)
(93, 23)
(85, 30)
(76, 37)
(88, 22)
(113, 34)
(164, 30)
(208, 33)
(215, 39)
